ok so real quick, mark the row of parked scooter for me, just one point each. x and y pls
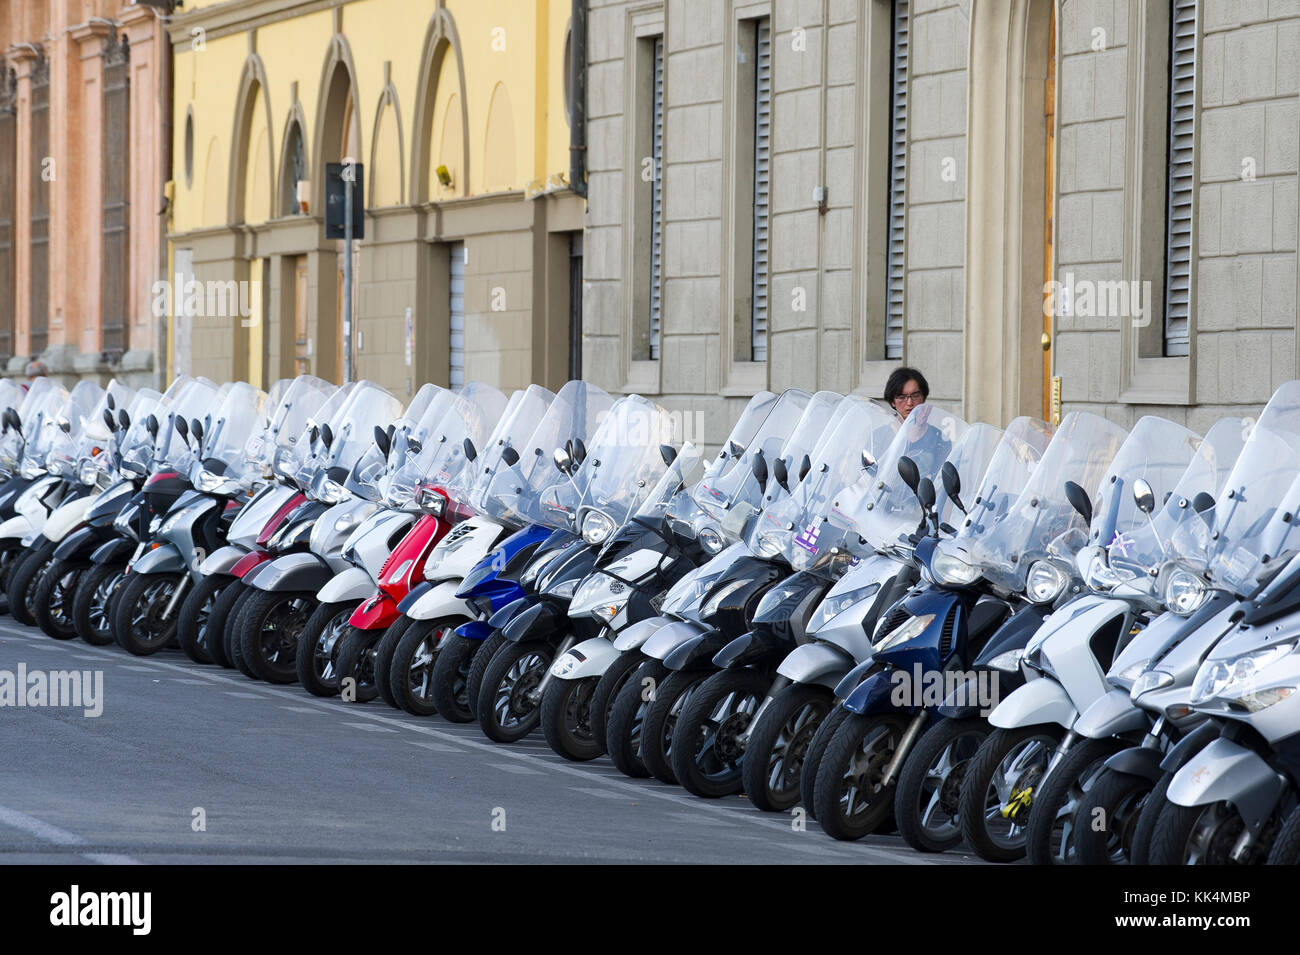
(1074, 643)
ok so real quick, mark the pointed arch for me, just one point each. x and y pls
(252, 91)
(387, 100)
(440, 39)
(500, 158)
(338, 84)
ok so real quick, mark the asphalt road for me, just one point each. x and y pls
(194, 764)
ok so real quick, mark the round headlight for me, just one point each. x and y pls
(596, 527)
(1185, 592)
(207, 481)
(1045, 582)
(331, 492)
(711, 540)
(87, 471)
(952, 570)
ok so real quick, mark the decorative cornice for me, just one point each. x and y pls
(237, 16)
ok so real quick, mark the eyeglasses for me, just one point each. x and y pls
(911, 398)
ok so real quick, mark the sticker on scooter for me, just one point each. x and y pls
(808, 538)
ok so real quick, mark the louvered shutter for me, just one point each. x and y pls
(762, 181)
(117, 162)
(897, 183)
(657, 200)
(456, 311)
(1178, 209)
(8, 199)
(38, 278)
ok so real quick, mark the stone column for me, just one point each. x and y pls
(23, 57)
(150, 137)
(82, 311)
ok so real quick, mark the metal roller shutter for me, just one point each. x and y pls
(657, 201)
(1178, 209)
(897, 184)
(762, 164)
(457, 313)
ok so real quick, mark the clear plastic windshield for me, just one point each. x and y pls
(793, 527)
(1081, 450)
(742, 434)
(721, 490)
(135, 446)
(879, 507)
(517, 423)
(1014, 459)
(11, 394)
(687, 469)
(353, 426)
(199, 398)
(623, 464)
(44, 395)
(283, 444)
(571, 420)
(239, 415)
(442, 461)
(63, 435)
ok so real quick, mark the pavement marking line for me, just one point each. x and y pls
(137, 669)
(48, 832)
(295, 709)
(701, 820)
(435, 747)
(193, 682)
(521, 770)
(369, 727)
(601, 793)
(242, 695)
(863, 853)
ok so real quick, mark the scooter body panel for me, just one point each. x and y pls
(589, 658)
(668, 638)
(633, 636)
(824, 664)
(1038, 701)
(348, 586)
(1111, 715)
(164, 559)
(65, 517)
(298, 572)
(440, 600)
(222, 560)
(1226, 771)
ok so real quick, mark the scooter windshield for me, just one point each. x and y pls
(1017, 454)
(676, 483)
(233, 424)
(718, 492)
(352, 427)
(742, 434)
(622, 466)
(1149, 544)
(199, 398)
(569, 423)
(283, 444)
(135, 444)
(69, 428)
(879, 508)
(442, 461)
(794, 526)
(1081, 449)
(520, 420)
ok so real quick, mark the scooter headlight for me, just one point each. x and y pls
(951, 570)
(596, 527)
(208, 482)
(711, 540)
(908, 630)
(1148, 681)
(832, 606)
(332, 492)
(1125, 678)
(1045, 582)
(1185, 592)
(714, 603)
(87, 471)
(1236, 679)
(1008, 661)
(564, 589)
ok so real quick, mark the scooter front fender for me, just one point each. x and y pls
(116, 551)
(65, 517)
(80, 542)
(501, 617)
(667, 639)
(633, 637)
(299, 572)
(1227, 772)
(475, 630)
(377, 613)
(16, 527)
(440, 600)
(349, 586)
(875, 694)
(590, 658)
(1038, 701)
(822, 664)
(540, 620)
(1112, 715)
(164, 559)
(222, 560)
(1137, 761)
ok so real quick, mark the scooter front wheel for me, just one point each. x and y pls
(606, 692)
(411, 674)
(627, 718)
(488, 648)
(1105, 824)
(999, 788)
(52, 603)
(1203, 835)
(669, 698)
(852, 798)
(317, 658)
(192, 629)
(1050, 840)
(91, 610)
(926, 804)
(268, 629)
(708, 748)
(143, 625)
(1286, 847)
(778, 742)
(508, 706)
(449, 692)
(566, 719)
(813, 758)
(384, 651)
(24, 580)
(356, 665)
(222, 614)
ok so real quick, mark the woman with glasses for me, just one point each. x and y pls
(906, 389)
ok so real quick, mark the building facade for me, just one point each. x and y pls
(1042, 204)
(457, 113)
(83, 159)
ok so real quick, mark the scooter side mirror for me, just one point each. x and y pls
(123, 418)
(925, 493)
(110, 401)
(804, 467)
(952, 484)
(760, 469)
(65, 426)
(108, 420)
(470, 451)
(668, 453)
(1079, 500)
(382, 441)
(868, 460)
(735, 449)
(1202, 502)
(579, 452)
(909, 472)
(510, 456)
(780, 473)
(182, 427)
(14, 419)
(1144, 496)
(196, 429)
(151, 425)
(326, 435)
(563, 463)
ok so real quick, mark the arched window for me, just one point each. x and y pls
(295, 170)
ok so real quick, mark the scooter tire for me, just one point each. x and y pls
(144, 592)
(55, 594)
(384, 658)
(807, 706)
(221, 615)
(813, 758)
(1057, 801)
(627, 718)
(1111, 841)
(606, 692)
(24, 579)
(489, 646)
(538, 655)
(412, 672)
(192, 629)
(913, 797)
(260, 609)
(356, 663)
(657, 731)
(92, 605)
(839, 760)
(449, 694)
(317, 658)
(566, 719)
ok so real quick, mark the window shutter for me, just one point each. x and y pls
(657, 200)
(456, 310)
(1178, 209)
(762, 180)
(897, 184)
(117, 161)
(8, 199)
(39, 277)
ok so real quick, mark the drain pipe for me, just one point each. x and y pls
(578, 98)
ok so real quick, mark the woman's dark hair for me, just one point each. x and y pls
(898, 380)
